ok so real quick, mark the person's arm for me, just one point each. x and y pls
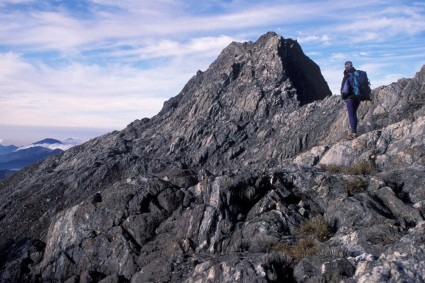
(345, 90)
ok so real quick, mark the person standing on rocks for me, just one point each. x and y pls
(347, 93)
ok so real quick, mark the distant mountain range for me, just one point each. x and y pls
(7, 149)
(14, 158)
(48, 141)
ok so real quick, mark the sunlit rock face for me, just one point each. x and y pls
(244, 176)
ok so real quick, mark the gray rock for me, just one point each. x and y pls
(323, 269)
(403, 262)
(226, 182)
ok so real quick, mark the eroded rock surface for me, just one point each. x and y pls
(245, 176)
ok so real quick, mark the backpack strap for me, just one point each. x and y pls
(356, 83)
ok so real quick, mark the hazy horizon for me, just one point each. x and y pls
(24, 135)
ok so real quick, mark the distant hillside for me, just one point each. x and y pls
(48, 141)
(21, 158)
(13, 158)
(7, 149)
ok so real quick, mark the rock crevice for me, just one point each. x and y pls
(244, 176)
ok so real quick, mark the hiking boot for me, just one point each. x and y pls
(351, 136)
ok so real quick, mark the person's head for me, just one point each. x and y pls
(348, 65)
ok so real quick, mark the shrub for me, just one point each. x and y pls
(359, 168)
(313, 229)
(333, 169)
(299, 250)
(304, 248)
(355, 186)
(316, 227)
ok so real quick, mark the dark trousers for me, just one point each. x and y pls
(352, 106)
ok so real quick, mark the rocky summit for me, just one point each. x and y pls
(244, 176)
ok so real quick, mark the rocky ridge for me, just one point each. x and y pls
(245, 176)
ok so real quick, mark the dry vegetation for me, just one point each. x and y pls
(356, 186)
(316, 227)
(360, 168)
(310, 232)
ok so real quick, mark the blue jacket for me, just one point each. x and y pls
(347, 84)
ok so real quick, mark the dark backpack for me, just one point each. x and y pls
(361, 85)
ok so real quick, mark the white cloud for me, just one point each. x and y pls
(11, 65)
(333, 77)
(339, 56)
(48, 146)
(62, 145)
(164, 21)
(89, 95)
(321, 39)
(46, 30)
(81, 94)
(204, 45)
(6, 2)
(60, 30)
(124, 58)
(379, 25)
(99, 101)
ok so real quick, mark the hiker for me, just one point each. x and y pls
(347, 93)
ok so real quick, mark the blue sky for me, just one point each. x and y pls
(101, 64)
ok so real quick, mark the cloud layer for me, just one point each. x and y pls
(104, 63)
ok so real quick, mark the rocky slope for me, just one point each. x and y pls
(245, 176)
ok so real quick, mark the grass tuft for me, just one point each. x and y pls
(356, 186)
(316, 227)
(360, 168)
(310, 233)
(301, 249)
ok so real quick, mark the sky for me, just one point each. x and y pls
(82, 68)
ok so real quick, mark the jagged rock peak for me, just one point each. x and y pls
(233, 182)
(271, 68)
